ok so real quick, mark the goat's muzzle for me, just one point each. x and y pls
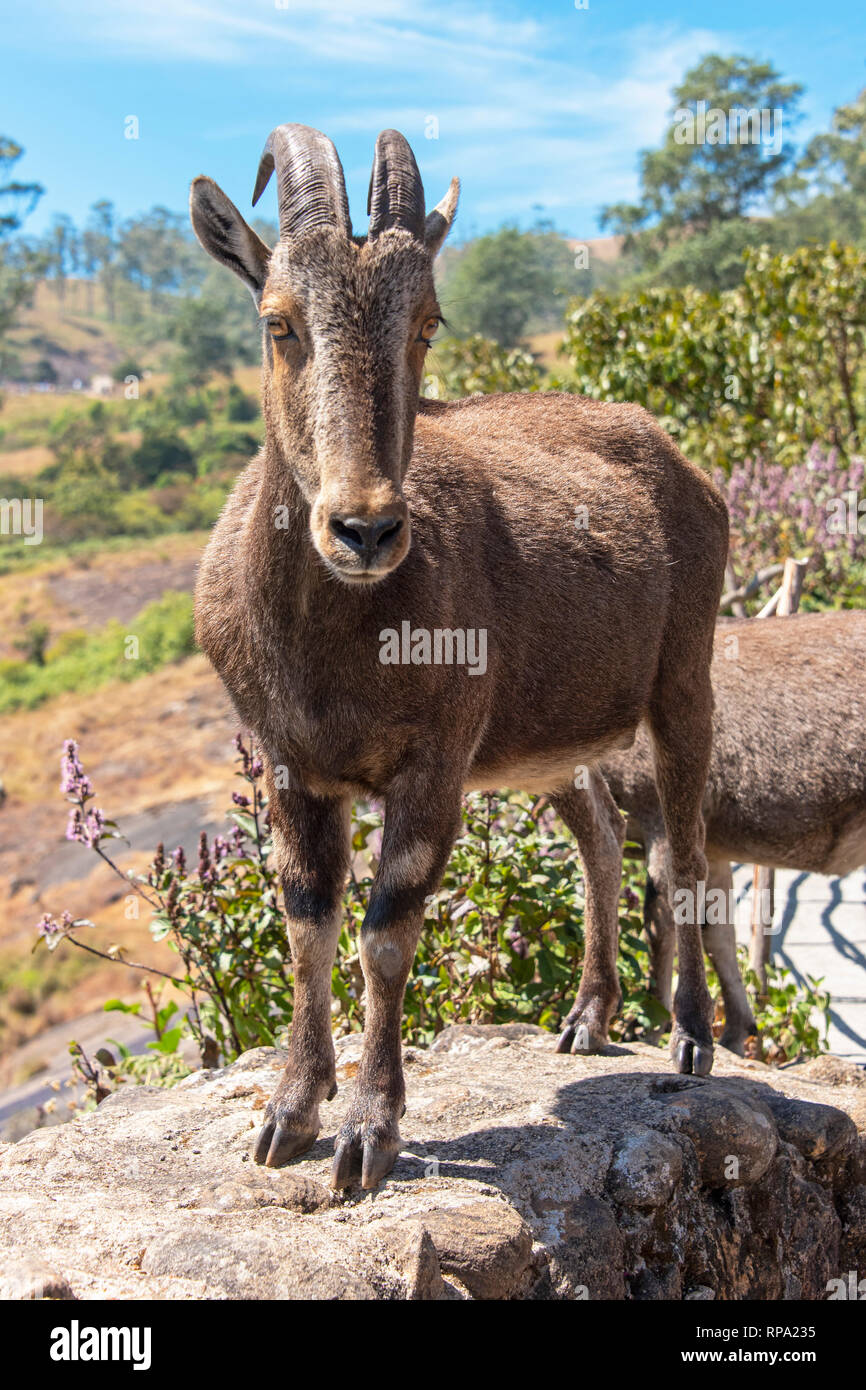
(360, 545)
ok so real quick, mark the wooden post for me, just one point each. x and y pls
(792, 587)
(763, 891)
(784, 603)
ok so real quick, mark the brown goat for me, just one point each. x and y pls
(369, 508)
(787, 780)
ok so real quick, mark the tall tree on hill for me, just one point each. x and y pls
(710, 171)
(61, 251)
(500, 283)
(157, 253)
(101, 237)
(828, 187)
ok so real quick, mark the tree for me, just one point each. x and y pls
(61, 251)
(17, 200)
(709, 170)
(204, 346)
(838, 158)
(502, 281)
(102, 249)
(826, 193)
(156, 252)
(19, 264)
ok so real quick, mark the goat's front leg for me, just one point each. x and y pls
(421, 820)
(311, 843)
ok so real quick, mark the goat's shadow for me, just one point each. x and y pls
(625, 1100)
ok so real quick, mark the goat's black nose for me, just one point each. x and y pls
(368, 539)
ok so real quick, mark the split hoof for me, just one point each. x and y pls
(364, 1150)
(691, 1057)
(586, 1028)
(277, 1143)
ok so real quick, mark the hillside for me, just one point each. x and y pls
(69, 335)
(164, 777)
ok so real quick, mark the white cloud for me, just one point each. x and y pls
(516, 115)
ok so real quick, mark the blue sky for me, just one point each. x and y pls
(539, 105)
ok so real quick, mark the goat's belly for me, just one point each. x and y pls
(544, 771)
(826, 849)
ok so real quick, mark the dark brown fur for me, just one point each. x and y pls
(589, 632)
(787, 780)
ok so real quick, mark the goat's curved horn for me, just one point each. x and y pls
(311, 190)
(396, 196)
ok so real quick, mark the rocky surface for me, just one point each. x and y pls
(524, 1174)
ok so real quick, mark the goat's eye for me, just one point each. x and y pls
(279, 327)
(428, 331)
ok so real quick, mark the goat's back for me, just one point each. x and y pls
(787, 783)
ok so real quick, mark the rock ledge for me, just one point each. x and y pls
(524, 1174)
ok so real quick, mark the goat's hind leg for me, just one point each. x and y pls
(311, 840)
(720, 944)
(592, 816)
(658, 920)
(681, 726)
(718, 936)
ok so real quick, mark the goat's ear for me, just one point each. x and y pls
(225, 235)
(439, 221)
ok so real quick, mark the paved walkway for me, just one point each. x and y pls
(821, 926)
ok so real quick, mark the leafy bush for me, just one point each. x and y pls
(460, 367)
(503, 938)
(788, 1013)
(162, 632)
(129, 366)
(137, 515)
(159, 453)
(240, 407)
(758, 370)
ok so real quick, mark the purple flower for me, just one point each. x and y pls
(87, 829)
(517, 941)
(779, 511)
(52, 932)
(73, 780)
(47, 926)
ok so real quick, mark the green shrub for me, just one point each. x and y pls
(503, 936)
(162, 632)
(240, 407)
(460, 367)
(762, 369)
(137, 515)
(157, 454)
